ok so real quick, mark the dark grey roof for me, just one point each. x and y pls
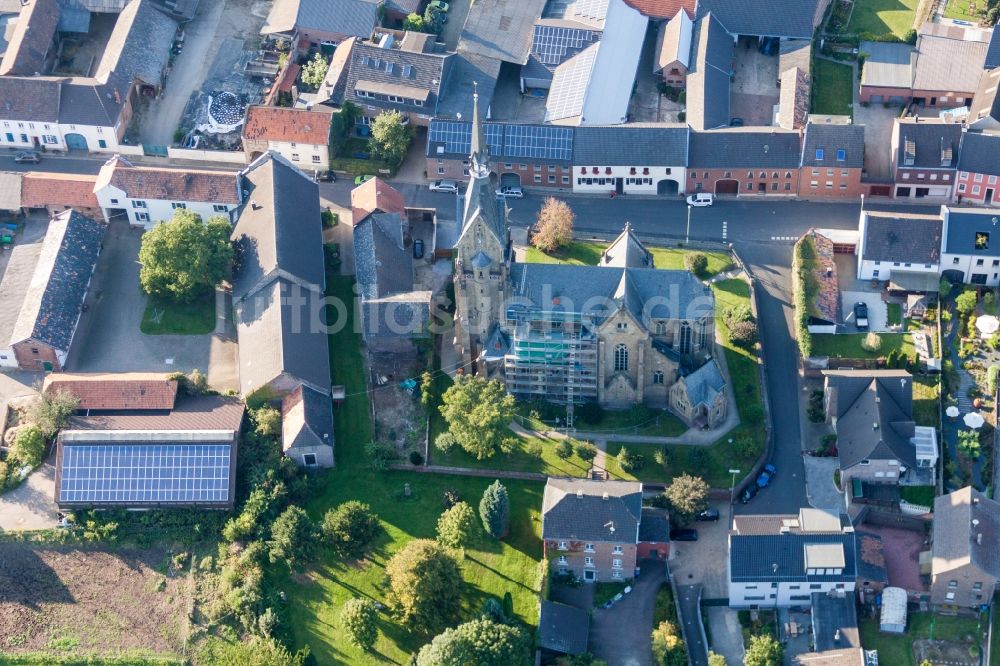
(704, 384)
(831, 139)
(934, 144)
(980, 153)
(575, 509)
(563, 628)
(835, 622)
(468, 69)
(139, 45)
(993, 53)
(708, 78)
(874, 411)
(73, 17)
(403, 315)
(383, 265)
(740, 147)
(955, 541)
(781, 557)
(93, 103)
(344, 17)
(501, 29)
(316, 426)
(32, 38)
(963, 226)
(631, 145)
(764, 18)
(279, 226)
(655, 526)
(33, 99)
(903, 238)
(54, 299)
(888, 65)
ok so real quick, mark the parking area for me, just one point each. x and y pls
(820, 490)
(878, 312)
(878, 122)
(698, 561)
(755, 90)
(31, 506)
(621, 634)
(901, 549)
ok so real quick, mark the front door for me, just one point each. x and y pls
(989, 196)
(620, 185)
(590, 576)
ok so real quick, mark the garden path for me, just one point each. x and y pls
(951, 427)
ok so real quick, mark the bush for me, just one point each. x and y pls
(416, 458)
(456, 528)
(805, 288)
(379, 454)
(630, 461)
(737, 313)
(871, 342)
(330, 219)
(965, 303)
(991, 379)
(445, 442)
(564, 449)
(29, 446)
(293, 538)
(586, 451)
(494, 510)
(696, 262)
(350, 528)
(743, 334)
(533, 448)
(52, 410)
(267, 421)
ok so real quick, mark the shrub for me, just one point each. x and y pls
(630, 461)
(965, 303)
(445, 442)
(267, 422)
(379, 454)
(661, 458)
(743, 334)
(330, 219)
(29, 446)
(969, 444)
(52, 410)
(350, 528)
(293, 538)
(590, 413)
(450, 498)
(736, 314)
(696, 262)
(668, 646)
(416, 458)
(564, 449)
(533, 448)
(871, 342)
(586, 451)
(805, 288)
(991, 379)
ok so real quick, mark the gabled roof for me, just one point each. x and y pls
(986, 101)
(834, 145)
(927, 144)
(635, 144)
(663, 9)
(93, 102)
(500, 29)
(29, 98)
(704, 384)
(745, 147)
(708, 79)
(139, 45)
(383, 265)
(216, 187)
(10, 190)
(626, 251)
(343, 17)
(306, 419)
(957, 541)
(874, 412)
(888, 65)
(33, 36)
(793, 99)
(48, 188)
(980, 153)
(563, 628)
(948, 64)
(375, 195)
(764, 18)
(965, 225)
(274, 123)
(673, 42)
(576, 509)
(54, 300)
(993, 52)
(189, 412)
(902, 237)
(782, 557)
(115, 391)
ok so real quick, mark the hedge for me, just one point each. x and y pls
(804, 288)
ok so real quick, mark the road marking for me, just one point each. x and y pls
(724, 230)
(783, 238)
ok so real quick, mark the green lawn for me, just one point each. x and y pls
(959, 9)
(882, 16)
(894, 314)
(639, 420)
(849, 345)
(995, 635)
(833, 88)
(588, 254)
(926, 396)
(922, 495)
(898, 649)
(518, 460)
(166, 317)
(490, 568)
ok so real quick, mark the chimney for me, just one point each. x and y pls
(836, 636)
(579, 494)
(979, 539)
(774, 567)
(605, 496)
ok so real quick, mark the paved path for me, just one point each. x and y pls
(689, 600)
(620, 635)
(31, 506)
(727, 636)
(820, 490)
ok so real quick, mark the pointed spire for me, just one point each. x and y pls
(479, 153)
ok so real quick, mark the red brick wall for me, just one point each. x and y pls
(841, 186)
(969, 181)
(707, 179)
(645, 550)
(455, 170)
(27, 359)
(868, 91)
(954, 98)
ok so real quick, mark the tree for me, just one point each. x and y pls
(457, 526)
(185, 256)
(415, 23)
(586, 451)
(494, 510)
(716, 659)
(965, 302)
(482, 642)
(697, 263)
(426, 586)
(668, 646)
(426, 389)
(629, 460)
(350, 528)
(969, 444)
(688, 496)
(293, 538)
(478, 412)
(52, 410)
(390, 138)
(763, 650)
(314, 71)
(564, 449)
(268, 422)
(743, 334)
(444, 442)
(29, 446)
(358, 619)
(554, 228)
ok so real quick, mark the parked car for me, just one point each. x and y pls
(511, 192)
(736, 122)
(748, 494)
(861, 316)
(418, 249)
(709, 515)
(701, 199)
(449, 186)
(684, 534)
(359, 180)
(29, 156)
(325, 176)
(766, 475)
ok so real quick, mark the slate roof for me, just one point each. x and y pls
(931, 138)
(383, 265)
(306, 419)
(33, 99)
(905, 238)
(654, 526)
(470, 73)
(948, 64)
(33, 36)
(980, 153)
(764, 18)
(500, 29)
(273, 123)
(48, 188)
(993, 52)
(115, 391)
(704, 384)
(986, 101)
(874, 411)
(708, 79)
(964, 224)
(888, 65)
(375, 195)
(139, 45)
(831, 139)
(742, 147)
(781, 557)
(343, 17)
(91, 102)
(54, 299)
(590, 518)
(201, 412)
(216, 187)
(563, 628)
(626, 251)
(631, 145)
(955, 539)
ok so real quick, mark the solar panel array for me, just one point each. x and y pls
(139, 473)
(554, 44)
(534, 141)
(457, 136)
(569, 86)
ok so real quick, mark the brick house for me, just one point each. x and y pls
(833, 157)
(321, 21)
(744, 161)
(57, 192)
(673, 49)
(978, 170)
(924, 157)
(592, 529)
(298, 135)
(965, 550)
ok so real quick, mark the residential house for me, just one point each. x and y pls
(146, 196)
(298, 135)
(375, 196)
(984, 112)
(632, 159)
(591, 529)
(965, 550)
(971, 252)
(978, 169)
(279, 285)
(835, 637)
(32, 36)
(833, 158)
(44, 288)
(709, 75)
(56, 192)
(673, 49)
(321, 21)
(871, 412)
(138, 442)
(904, 248)
(744, 161)
(924, 157)
(700, 398)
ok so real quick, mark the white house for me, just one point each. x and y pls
(630, 159)
(899, 247)
(971, 252)
(148, 195)
(300, 136)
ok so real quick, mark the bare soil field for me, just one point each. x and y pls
(78, 600)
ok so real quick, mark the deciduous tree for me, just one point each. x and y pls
(29, 446)
(668, 646)
(52, 410)
(293, 538)
(965, 302)
(314, 71)
(478, 412)
(350, 528)
(457, 526)
(358, 618)
(390, 137)
(185, 256)
(482, 642)
(426, 586)
(494, 510)
(688, 496)
(763, 650)
(554, 228)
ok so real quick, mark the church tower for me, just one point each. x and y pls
(482, 253)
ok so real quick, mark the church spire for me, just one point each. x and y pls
(479, 153)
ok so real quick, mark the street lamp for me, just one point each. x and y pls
(732, 486)
(687, 234)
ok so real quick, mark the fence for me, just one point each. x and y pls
(227, 157)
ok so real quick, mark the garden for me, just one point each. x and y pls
(938, 638)
(833, 88)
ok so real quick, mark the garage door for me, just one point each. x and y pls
(727, 187)
(875, 99)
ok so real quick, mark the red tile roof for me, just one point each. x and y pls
(375, 194)
(664, 9)
(274, 123)
(39, 190)
(123, 391)
(204, 412)
(217, 187)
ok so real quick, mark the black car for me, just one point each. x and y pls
(736, 122)
(684, 534)
(749, 493)
(325, 176)
(418, 249)
(861, 316)
(708, 515)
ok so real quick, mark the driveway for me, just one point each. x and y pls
(727, 636)
(878, 312)
(699, 561)
(819, 483)
(878, 123)
(620, 635)
(31, 506)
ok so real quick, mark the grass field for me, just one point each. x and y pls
(833, 88)
(849, 345)
(518, 460)
(922, 495)
(490, 568)
(588, 254)
(166, 317)
(898, 649)
(959, 9)
(882, 16)
(894, 314)
(926, 400)
(639, 420)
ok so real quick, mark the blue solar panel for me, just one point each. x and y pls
(530, 141)
(457, 136)
(552, 45)
(138, 473)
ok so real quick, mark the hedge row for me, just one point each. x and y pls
(804, 288)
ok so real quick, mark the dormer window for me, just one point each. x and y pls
(819, 154)
(909, 152)
(388, 68)
(841, 155)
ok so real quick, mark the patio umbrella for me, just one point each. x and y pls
(988, 325)
(973, 420)
(952, 412)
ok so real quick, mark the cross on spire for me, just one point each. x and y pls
(479, 153)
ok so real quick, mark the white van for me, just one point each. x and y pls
(701, 199)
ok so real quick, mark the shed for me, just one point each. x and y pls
(893, 618)
(563, 629)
